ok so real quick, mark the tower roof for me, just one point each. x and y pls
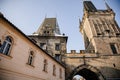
(49, 27)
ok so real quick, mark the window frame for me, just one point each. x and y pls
(7, 45)
(31, 58)
(113, 47)
(57, 46)
(45, 65)
(54, 70)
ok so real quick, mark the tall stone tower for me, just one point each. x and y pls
(100, 30)
(49, 38)
(101, 58)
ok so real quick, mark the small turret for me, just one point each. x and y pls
(107, 6)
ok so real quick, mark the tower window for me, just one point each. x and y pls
(31, 57)
(57, 47)
(57, 57)
(44, 32)
(48, 32)
(113, 48)
(45, 65)
(6, 46)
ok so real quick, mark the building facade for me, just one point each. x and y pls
(22, 59)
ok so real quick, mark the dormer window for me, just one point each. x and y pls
(47, 25)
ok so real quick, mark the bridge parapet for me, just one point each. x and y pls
(82, 53)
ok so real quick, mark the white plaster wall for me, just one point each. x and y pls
(14, 67)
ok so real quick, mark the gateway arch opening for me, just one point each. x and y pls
(87, 74)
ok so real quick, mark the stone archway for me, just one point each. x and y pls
(88, 72)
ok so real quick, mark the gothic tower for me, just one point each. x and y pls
(49, 38)
(100, 30)
(101, 57)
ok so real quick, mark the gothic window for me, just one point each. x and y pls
(31, 58)
(60, 73)
(6, 46)
(113, 48)
(96, 26)
(104, 23)
(45, 65)
(57, 47)
(54, 70)
(115, 28)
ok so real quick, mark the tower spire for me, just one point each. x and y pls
(79, 21)
(107, 6)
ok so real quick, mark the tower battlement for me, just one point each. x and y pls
(81, 52)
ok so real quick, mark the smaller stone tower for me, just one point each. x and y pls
(49, 38)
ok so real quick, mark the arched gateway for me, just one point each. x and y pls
(88, 72)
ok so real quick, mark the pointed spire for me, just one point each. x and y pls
(107, 6)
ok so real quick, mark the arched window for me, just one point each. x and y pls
(31, 57)
(54, 70)
(6, 46)
(45, 65)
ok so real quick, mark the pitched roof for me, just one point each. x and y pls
(48, 27)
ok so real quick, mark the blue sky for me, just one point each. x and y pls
(27, 15)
